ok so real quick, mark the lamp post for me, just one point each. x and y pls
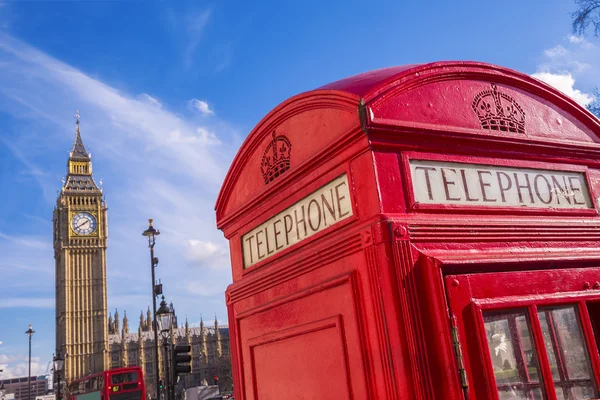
(30, 333)
(151, 233)
(165, 318)
(58, 367)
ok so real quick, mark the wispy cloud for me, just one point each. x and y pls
(200, 106)
(154, 163)
(195, 23)
(27, 241)
(206, 253)
(201, 288)
(575, 39)
(31, 169)
(557, 51)
(28, 302)
(146, 98)
(571, 68)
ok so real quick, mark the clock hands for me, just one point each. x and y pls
(83, 223)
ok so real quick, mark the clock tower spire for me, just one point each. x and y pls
(80, 234)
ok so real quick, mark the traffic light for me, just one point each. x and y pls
(216, 378)
(160, 385)
(181, 358)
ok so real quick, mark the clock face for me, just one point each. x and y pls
(83, 223)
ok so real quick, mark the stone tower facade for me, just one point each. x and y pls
(80, 235)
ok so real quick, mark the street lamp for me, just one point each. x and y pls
(151, 233)
(165, 318)
(59, 361)
(30, 333)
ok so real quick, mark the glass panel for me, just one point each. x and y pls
(584, 392)
(567, 353)
(125, 377)
(512, 394)
(513, 354)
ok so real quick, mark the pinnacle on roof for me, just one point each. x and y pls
(78, 151)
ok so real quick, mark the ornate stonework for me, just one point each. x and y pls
(210, 351)
(80, 234)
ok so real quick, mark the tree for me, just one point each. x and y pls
(594, 106)
(588, 12)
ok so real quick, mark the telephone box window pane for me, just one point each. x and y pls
(514, 356)
(513, 394)
(567, 353)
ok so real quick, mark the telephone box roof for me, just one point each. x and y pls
(382, 88)
(370, 85)
(365, 82)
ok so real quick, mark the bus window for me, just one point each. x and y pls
(124, 377)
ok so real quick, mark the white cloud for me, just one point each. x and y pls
(575, 39)
(207, 253)
(557, 51)
(17, 365)
(146, 98)
(154, 164)
(571, 68)
(201, 106)
(203, 289)
(21, 370)
(205, 136)
(202, 136)
(565, 83)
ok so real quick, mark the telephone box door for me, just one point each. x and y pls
(528, 334)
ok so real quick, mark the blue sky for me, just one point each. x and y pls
(168, 90)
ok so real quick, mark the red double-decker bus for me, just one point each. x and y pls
(115, 384)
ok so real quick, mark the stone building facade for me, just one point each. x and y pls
(210, 350)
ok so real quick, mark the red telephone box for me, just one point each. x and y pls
(418, 232)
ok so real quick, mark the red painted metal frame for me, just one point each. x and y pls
(451, 208)
(503, 299)
(388, 267)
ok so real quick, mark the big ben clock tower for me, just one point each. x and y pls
(80, 234)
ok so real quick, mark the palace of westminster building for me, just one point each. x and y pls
(92, 340)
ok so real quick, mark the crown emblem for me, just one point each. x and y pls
(498, 111)
(276, 158)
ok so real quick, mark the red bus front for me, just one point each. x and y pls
(116, 384)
